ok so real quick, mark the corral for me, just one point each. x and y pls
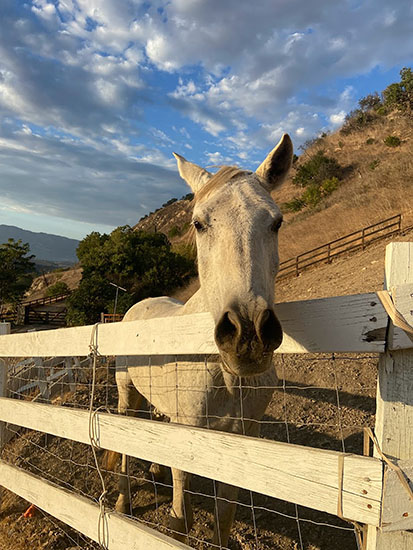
(338, 482)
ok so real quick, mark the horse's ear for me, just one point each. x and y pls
(275, 167)
(194, 175)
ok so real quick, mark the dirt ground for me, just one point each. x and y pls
(321, 401)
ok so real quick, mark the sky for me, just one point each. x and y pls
(95, 95)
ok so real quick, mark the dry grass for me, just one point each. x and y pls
(378, 185)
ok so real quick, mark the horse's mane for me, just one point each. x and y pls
(225, 174)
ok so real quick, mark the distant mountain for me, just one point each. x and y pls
(46, 247)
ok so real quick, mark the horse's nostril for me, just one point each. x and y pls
(269, 329)
(227, 330)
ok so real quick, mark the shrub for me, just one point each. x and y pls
(316, 170)
(392, 141)
(187, 197)
(399, 95)
(57, 289)
(373, 165)
(370, 141)
(371, 102)
(171, 201)
(329, 185)
(295, 205)
(357, 120)
(312, 195)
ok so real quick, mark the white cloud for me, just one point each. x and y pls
(83, 81)
(337, 119)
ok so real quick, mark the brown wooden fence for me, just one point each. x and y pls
(110, 317)
(326, 252)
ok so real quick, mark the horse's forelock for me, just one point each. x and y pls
(225, 174)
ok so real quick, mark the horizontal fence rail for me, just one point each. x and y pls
(83, 515)
(47, 300)
(327, 252)
(303, 475)
(354, 323)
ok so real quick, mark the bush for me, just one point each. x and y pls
(312, 195)
(316, 170)
(373, 165)
(399, 95)
(187, 197)
(392, 141)
(295, 205)
(57, 289)
(329, 185)
(357, 120)
(370, 141)
(371, 102)
(171, 201)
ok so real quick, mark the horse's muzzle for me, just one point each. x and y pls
(246, 346)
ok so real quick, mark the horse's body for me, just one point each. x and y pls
(237, 267)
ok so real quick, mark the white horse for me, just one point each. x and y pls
(236, 223)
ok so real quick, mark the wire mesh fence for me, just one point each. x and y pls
(318, 400)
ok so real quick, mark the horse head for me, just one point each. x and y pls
(236, 223)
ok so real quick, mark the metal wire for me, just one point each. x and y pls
(314, 404)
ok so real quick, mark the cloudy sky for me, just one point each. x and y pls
(96, 94)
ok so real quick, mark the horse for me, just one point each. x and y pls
(236, 224)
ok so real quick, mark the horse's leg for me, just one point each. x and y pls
(181, 518)
(129, 401)
(224, 513)
(226, 498)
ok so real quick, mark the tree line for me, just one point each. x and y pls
(144, 264)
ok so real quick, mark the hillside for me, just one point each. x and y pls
(45, 246)
(377, 182)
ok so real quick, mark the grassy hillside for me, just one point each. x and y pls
(377, 183)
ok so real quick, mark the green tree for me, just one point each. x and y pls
(17, 271)
(399, 95)
(143, 263)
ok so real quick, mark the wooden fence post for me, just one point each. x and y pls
(4, 329)
(394, 416)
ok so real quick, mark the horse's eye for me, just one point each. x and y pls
(276, 225)
(198, 225)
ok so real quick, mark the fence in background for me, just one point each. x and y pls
(111, 317)
(361, 488)
(353, 241)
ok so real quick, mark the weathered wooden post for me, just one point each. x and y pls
(4, 329)
(394, 417)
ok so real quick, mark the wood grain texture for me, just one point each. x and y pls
(82, 514)
(394, 416)
(4, 329)
(302, 475)
(397, 508)
(355, 323)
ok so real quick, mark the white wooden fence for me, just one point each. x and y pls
(369, 490)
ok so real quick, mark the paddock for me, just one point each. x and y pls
(368, 491)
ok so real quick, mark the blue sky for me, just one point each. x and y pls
(96, 94)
